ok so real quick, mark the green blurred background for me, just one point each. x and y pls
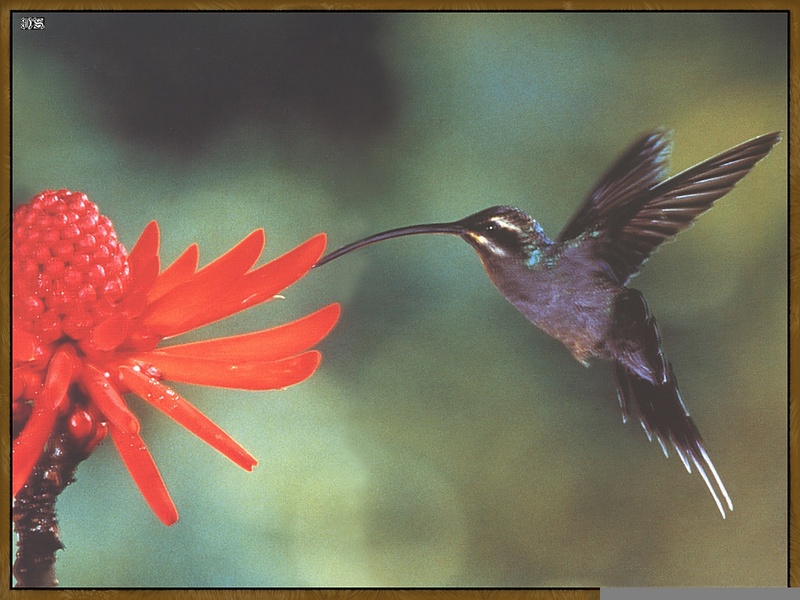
(444, 441)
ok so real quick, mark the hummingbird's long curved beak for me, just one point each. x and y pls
(454, 228)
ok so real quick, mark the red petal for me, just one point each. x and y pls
(269, 344)
(263, 283)
(31, 441)
(145, 474)
(25, 347)
(144, 264)
(167, 315)
(144, 276)
(108, 399)
(175, 274)
(18, 379)
(176, 407)
(29, 444)
(145, 249)
(254, 375)
(110, 333)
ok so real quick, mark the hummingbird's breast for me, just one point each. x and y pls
(569, 299)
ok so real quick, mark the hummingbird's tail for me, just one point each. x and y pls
(647, 389)
(661, 411)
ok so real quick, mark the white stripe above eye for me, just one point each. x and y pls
(501, 221)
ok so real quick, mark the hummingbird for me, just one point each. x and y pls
(575, 288)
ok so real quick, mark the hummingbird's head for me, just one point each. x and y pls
(502, 231)
(495, 233)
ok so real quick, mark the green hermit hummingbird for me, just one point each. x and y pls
(575, 288)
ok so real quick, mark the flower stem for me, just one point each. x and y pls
(34, 513)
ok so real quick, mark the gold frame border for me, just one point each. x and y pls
(375, 594)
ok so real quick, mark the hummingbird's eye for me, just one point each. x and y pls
(502, 234)
(497, 225)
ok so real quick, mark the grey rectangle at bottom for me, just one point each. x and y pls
(699, 593)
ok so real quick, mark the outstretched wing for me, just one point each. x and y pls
(643, 165)
(631, 211)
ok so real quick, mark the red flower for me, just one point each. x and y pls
(88, 319)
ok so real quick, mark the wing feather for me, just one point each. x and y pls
(626, 219)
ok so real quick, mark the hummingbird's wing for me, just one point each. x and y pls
(632, 211)
(638, 169)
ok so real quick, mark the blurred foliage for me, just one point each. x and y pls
(444, 441)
